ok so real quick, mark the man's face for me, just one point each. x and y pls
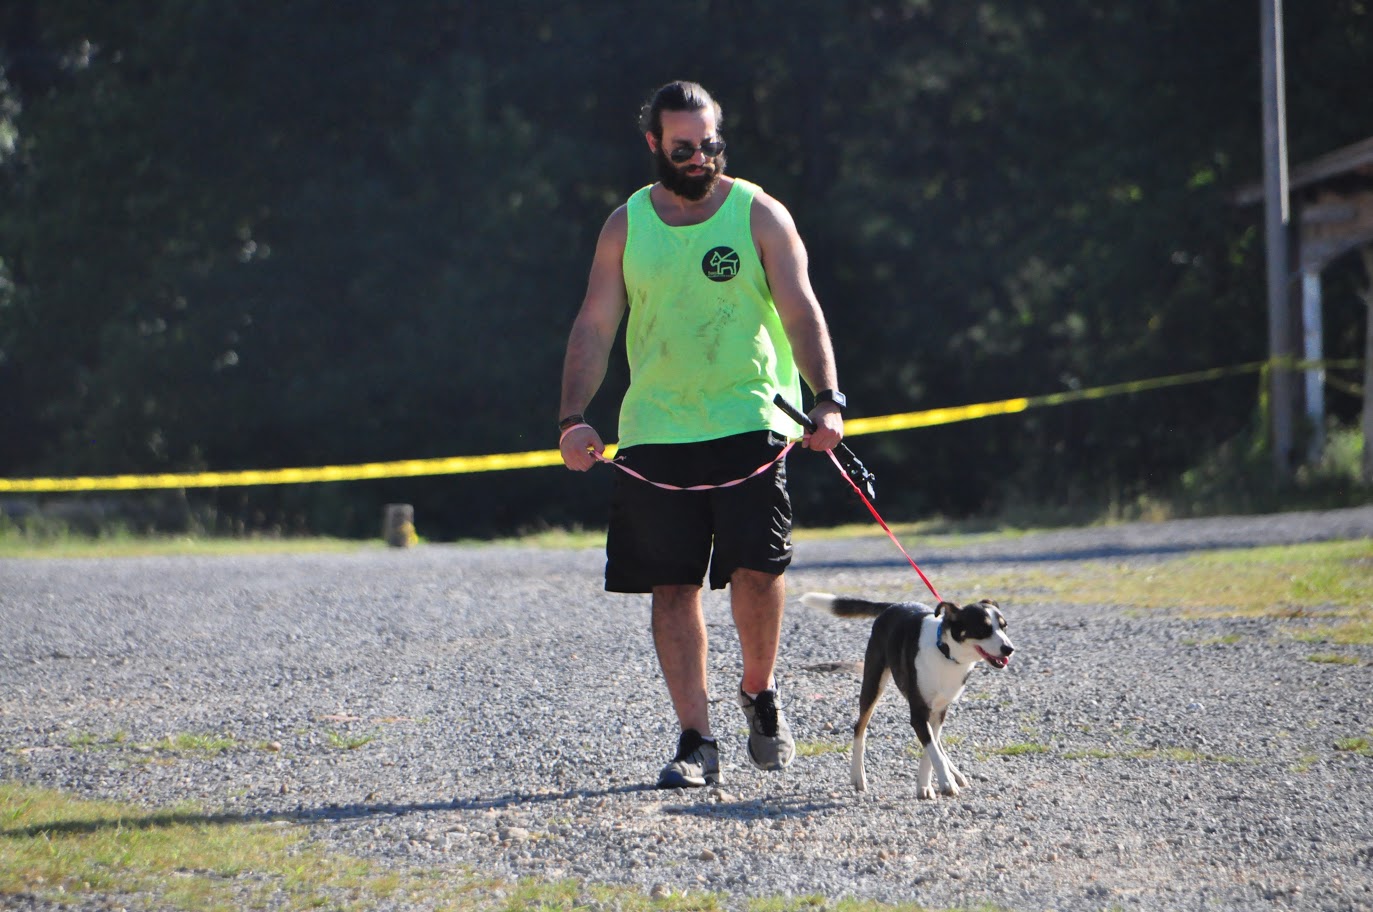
(695, 178)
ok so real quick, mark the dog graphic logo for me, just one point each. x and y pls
(720, 264)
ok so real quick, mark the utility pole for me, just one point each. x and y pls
(1277, 221)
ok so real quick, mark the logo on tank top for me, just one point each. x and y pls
(720, 264)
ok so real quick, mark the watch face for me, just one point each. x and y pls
(834, 396)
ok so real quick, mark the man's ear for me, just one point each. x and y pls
(652, 142)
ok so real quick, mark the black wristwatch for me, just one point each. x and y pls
(832, 395)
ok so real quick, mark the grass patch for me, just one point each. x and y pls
(72, 852)
(348, 741)
(89, 741)
(1172, 754)
(1019, 749)
(61, 849)
(1326, 579)
(1333, 658)
(848, 904)
(1361, 746)
(820, 748)
(185, 743)
(1305, 763)
(1354, 632)
(1229, 639)
(15, 543)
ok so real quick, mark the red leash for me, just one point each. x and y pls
(881, 522)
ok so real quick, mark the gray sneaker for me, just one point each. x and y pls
(770, 746)
(697, 763)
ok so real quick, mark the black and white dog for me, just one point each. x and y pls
(929, 653)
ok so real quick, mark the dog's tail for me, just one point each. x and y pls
(843, 606)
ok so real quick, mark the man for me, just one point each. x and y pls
(722, 317)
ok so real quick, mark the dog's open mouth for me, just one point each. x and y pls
(994, 661)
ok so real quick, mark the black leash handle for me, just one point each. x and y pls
(794, 413)
(855, 469)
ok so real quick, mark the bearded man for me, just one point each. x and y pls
(722, 318)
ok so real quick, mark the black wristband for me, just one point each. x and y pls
(571, 421)
(832, 395)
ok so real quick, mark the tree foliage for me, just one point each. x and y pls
(263, 234)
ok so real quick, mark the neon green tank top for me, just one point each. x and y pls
(706, 347)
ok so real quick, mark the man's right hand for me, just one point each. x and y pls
(578, 447)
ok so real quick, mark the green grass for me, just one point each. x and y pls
(347, 740)
(824, 904)
(205, 745)
(1361, 746)
(62, 849)
(1171, 754)
(15, 542)
(820, 748)
(186, 743)
(68, 851)
(1327, 582)
(1020, 749)
(1333, 658)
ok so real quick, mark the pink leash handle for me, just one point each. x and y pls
(701, 487)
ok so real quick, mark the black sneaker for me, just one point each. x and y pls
(697, 763)
(770, 746)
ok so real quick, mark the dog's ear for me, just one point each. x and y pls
(944, 608)
(990, 602)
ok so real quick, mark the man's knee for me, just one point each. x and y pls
(676, 599)
(760, 580)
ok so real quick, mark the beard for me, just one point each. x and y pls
(695, 187)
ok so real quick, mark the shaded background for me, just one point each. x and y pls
(263, 234)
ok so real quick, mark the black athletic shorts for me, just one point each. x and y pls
(661, 538)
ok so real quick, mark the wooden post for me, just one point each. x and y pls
(398, 526)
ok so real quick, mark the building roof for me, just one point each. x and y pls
(1353, 159)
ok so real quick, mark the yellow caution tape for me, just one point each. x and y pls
(854, 427)
(461, 465)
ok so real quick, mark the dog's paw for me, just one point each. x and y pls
(860, 783)
(960, 779)
(925, 793)
(950, 790)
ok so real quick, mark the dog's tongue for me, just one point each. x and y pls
(994, 661)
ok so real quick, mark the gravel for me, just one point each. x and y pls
(492, 707)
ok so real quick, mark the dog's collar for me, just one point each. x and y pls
(939, 641)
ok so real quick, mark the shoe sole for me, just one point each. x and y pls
(677, 781)
(770, 767)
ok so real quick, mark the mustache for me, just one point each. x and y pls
(689, 186)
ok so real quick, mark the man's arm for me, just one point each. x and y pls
(785, 262)
(591, 338)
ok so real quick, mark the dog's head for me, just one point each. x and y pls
(980, 627)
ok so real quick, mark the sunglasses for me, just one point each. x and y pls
(709, 149)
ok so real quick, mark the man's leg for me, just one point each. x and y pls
(756, 600)
(679, 635)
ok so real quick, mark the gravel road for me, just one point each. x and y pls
(491, 707)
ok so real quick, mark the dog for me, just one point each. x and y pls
(930, 654)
